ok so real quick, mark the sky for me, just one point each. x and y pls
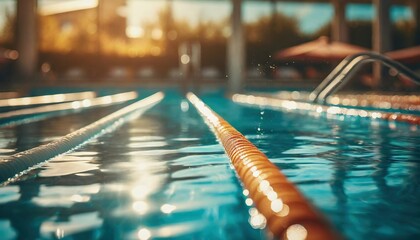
(310, 16)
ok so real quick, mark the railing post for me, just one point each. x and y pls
(236, 49)
(27, 38)
(339, 26)
(415, 6)
(381, 35)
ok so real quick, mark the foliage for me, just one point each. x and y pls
(268, 35)
(278, 31)
(68, 34)
(403, 34)
(7, 31)
(360, 33)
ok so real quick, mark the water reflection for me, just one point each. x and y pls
(30, 135)
(164, 176)
(25, 226)
(77, 225)
(351, 168)
(55, 205)
(114, 188)
(68, 164)
(144, 234)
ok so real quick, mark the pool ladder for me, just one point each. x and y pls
(348, 67)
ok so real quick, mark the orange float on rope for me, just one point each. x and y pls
(288, 213)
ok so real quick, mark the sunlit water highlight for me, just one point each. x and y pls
(164, 176)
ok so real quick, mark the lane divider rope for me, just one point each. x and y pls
(276, 103)
(379, 104)
(6, 117)
(46, 99)
(18, 164)
(286, 210)
(408, 99)
(380, 101)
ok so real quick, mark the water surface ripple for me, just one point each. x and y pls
(164, 176)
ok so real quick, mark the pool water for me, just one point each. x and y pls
(165, 176)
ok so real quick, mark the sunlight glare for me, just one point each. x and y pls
(134, 31)
(167, 208)
(296, 232)
(140, 207)
(157, 34)
(144, 234)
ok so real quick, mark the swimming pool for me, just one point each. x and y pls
(163, 174)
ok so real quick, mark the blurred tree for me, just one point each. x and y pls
(360, 33)
(114, 27)
(84, 38)
(7, 31)
(268, 35)
(53, 36)
(278, 31)
(403, 34)
(68, 32)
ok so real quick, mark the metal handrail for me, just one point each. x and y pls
(347, 68)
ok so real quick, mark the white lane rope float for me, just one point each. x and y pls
(290, 105)
(38, 113)
(20, 163)
(46, 99)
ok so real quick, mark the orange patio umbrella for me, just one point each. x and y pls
(319, 49)
(406, 55)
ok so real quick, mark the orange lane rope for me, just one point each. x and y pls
(276, 103)
(287, 213)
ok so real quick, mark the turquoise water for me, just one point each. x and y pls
(164, 175)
